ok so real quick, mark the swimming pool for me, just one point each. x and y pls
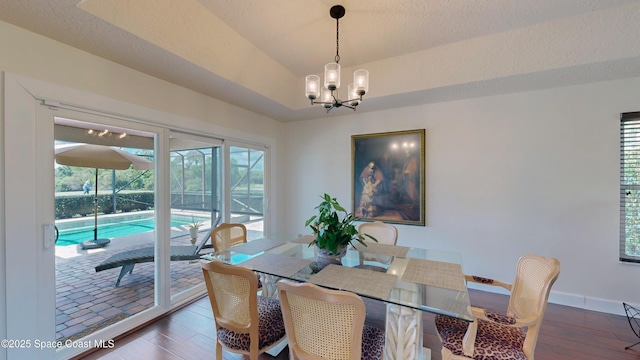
(76, 235)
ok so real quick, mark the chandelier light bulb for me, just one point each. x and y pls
(332, 76)
(353, 95)
(325, 97)
(312, 86)
(361, 79)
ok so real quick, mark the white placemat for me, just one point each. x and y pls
(275, 264)
(435, 273)
(382, 249)
(365, 282)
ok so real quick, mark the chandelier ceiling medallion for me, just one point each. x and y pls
(329, 92)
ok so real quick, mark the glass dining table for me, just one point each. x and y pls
(409, 280)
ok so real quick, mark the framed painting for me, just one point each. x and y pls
(388, 177)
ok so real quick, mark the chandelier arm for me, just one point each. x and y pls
(323, 103)
(354, 99)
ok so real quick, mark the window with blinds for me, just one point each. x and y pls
(630, 187)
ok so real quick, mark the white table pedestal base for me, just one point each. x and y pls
(403, 327)
(269, 288)
(404, 334)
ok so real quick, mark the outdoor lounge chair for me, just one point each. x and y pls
(129, 258)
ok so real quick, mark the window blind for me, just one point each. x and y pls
(630, 187)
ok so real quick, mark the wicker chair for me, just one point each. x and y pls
(510, 336)
(385, 234)
(245, 322)
(327, 324)
(227, 235)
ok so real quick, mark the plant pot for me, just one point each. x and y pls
(194, 234)
(325, 257)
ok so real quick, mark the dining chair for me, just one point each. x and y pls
(227, 235)
(512, 335)
(385, 234)
(246, 323)
(327, 324)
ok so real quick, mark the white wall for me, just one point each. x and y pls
(533, 172)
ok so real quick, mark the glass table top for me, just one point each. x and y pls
(421, 279)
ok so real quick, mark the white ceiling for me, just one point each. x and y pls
(255, 54)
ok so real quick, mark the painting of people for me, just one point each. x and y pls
(388, 176)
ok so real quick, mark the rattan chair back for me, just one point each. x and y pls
(232, 298)
(321, 323)
(227, 235)
(384, 233)
(535, 275)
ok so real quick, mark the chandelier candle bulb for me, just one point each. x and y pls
(326, 97)
(312, 86)
(361, 79)
(332, 76)
(353, 96)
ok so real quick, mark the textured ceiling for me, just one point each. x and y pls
(255, 54)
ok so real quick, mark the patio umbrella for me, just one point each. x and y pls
(99, 157)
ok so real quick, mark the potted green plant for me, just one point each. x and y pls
(334, 228)
(193, 229)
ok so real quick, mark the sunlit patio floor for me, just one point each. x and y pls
(87, 300)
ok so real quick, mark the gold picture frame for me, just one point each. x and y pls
(388, 177)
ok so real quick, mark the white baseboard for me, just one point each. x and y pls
(574, 300)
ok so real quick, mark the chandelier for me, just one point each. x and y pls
(328, 93)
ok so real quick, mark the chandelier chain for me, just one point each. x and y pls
(337, 58)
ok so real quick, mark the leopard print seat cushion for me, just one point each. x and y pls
(493, 341)
(270, 327)
(372, 343)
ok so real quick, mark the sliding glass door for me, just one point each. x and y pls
(195, 182)
(184, 182)
(105, 207)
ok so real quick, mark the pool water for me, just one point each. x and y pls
(77, 235)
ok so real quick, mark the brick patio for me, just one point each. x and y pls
(86, 299)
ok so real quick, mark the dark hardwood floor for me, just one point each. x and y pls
(567, 334)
